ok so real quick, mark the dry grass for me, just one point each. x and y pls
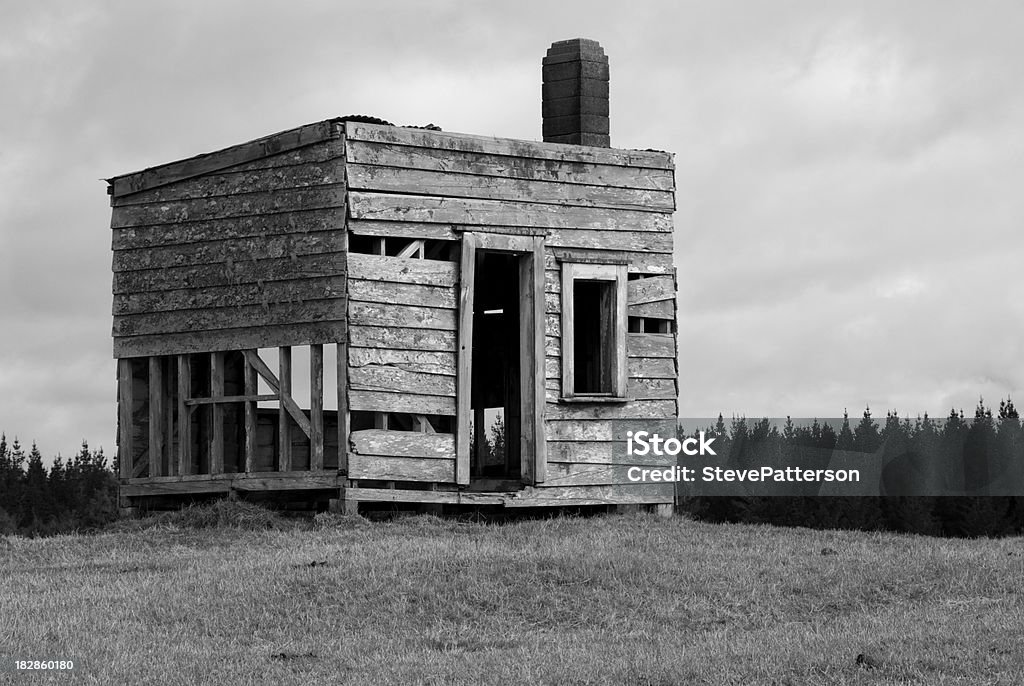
(229, 595)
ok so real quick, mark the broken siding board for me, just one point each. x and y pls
(230, 251)
(440, 183)
(378, 401)
(228, 318)
(578, 430)
(409, 444)
(404, 230)
(283, 223)
(214, 275)
(506, 146)
(506, 166)
(232, 182)
(651, 345)
(665, 309)
(634, 409)
(651, 389)
(401, 338)
(428, 362)
(600, 452)
(627, 241)
(651, 289)
(401, 293)
(395, 380)
(228, 207)
(400, 468)
(376, 314)
(602, 430)
(262, 293)
(229, 339)
(471, 211)
(637, 262)
(274, 144)
(652, 368)
(402, 270)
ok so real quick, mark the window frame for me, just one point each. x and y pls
(585, 271)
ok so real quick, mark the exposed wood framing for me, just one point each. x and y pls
(467, 274)
(251, 390)
(184, 415)
(125, 422)
(284, 429)
(156, 417)
(316, 407)
(216, 429)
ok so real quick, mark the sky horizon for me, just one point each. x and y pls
(847, 231)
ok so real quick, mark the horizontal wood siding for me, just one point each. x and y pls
(240, 249)
(590, 204)
(402, 343)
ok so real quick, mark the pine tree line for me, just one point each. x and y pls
(987, 454)
(77, 495)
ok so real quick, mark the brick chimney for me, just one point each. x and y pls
(575, 93)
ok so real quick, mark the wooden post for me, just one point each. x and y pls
(316, 407)
(540, 444)
(156, 417)
(479, 434)
(184, 415)
(170, 382)
(251, 390)
(464, 380)
(621, 319)
(343, 418)
(125, 444)
(284, 389)
(216, 413)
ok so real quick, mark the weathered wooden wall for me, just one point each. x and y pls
(243, 248)
(590, 204)
(401, 355)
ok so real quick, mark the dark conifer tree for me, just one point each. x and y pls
(866, 438)
(845, 439)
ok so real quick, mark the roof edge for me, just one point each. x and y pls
(274, 144)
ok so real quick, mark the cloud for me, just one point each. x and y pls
(848, 177)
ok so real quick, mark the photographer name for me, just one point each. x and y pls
(720, 474)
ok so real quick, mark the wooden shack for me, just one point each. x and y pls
(442, 276)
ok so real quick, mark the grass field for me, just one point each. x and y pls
(616, 600)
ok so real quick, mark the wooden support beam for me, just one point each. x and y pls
(286, 400)
(422, 424)
(414, 248)
(170, 384)
(184, 415)
(216, 432)
(226, 399)
(343, 418)
(125, 444)
(156, 417)
(537, 416)
(380, 420)
(284, 429)
(251, 391)
(316, 407)
(467, 270)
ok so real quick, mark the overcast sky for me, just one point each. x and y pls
(849, 175)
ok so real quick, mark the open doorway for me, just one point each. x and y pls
(496, 450)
